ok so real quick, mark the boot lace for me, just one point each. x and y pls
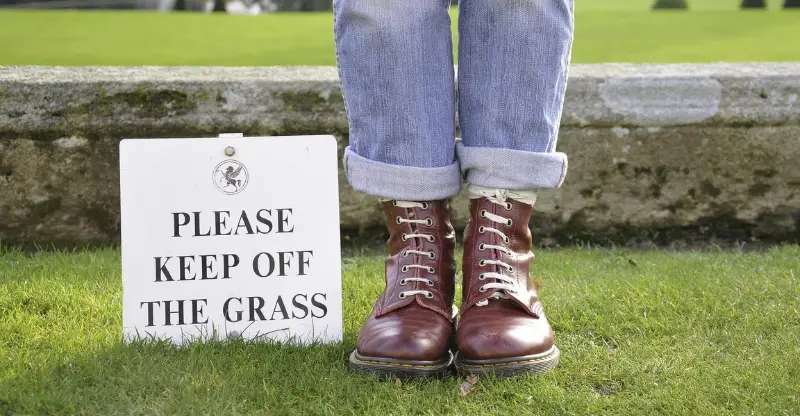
(500, 282)
(407, 252)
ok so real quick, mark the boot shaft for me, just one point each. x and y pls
(498, 256)
(421, 266)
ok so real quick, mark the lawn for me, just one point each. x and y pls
(656, 332)
(606, 31)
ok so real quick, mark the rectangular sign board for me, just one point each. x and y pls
(231, 237)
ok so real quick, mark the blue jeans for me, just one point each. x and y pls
(395, 60)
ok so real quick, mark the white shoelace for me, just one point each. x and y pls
(406, 253)
(501, 281)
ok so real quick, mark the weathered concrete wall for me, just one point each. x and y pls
(654, 150)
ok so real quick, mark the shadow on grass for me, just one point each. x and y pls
(158, 377)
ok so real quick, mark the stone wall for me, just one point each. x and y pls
(656, 151)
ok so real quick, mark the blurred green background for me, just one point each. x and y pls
(606, 31)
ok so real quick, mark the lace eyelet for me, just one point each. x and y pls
(481, 229)
(397, 220)
(483, 213)
(430, 283)
(402, 295)
(482, 289)
(482, 247)
(506, 240)
(482, 263)
(510, 223)
(429, 295)
(394, 203)
(404, 269)
(403, 282)
(432, 255)
(509, 206)
(405, 253)
(431, 270)
(482, 277)
(424, 205)
(405, 236)
(431, 238)
(429, 222)
(510, 270)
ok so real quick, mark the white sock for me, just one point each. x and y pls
(403, 204)
(527, 196)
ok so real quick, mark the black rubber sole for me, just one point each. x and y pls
(405, 370)
(510, 367)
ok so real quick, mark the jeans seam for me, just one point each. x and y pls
(564, 168)
(337, 52)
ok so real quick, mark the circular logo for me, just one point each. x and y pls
(230, 177)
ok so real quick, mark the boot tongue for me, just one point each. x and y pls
(505, 299)
(431, 305)
(495, 296)
(413, 302)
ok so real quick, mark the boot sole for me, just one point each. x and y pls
(385, 368)
(510, 367)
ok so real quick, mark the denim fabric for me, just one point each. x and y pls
(396, 67)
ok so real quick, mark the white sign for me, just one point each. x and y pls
(231, 236)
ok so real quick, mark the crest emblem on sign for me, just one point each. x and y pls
(230, 177)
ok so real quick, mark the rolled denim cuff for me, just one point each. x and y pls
(407, 183)
(511, 169)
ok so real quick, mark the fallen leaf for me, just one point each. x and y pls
(398, 383)
(632, 262)
(468, 386)
(538, 282)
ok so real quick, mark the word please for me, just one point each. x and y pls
(215, 223)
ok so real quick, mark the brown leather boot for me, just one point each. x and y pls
(410, 330)
(502, 329)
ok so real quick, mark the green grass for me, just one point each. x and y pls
(606, 31)
(657, 332)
